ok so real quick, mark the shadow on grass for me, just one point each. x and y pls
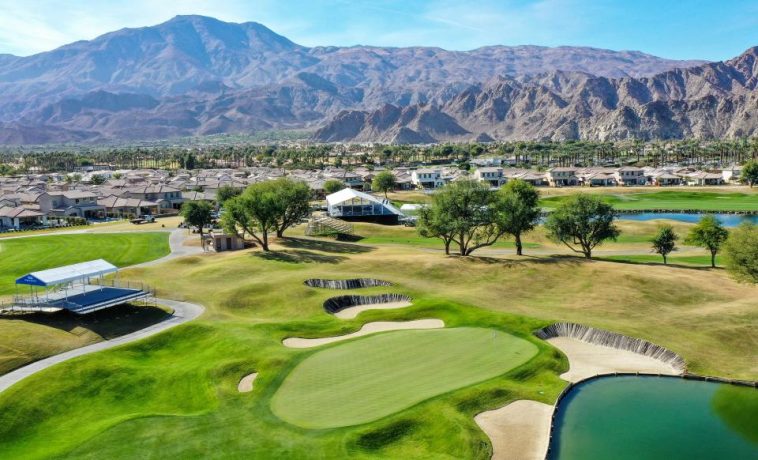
(524, 260)
(299, 256)
(325, 246)
(108, 324)
(659, 264)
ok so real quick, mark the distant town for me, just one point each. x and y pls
(98, 191)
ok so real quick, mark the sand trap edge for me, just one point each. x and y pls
(366, 329)
(334, 305)
(613, 340)
(246, 383)
(354, 283)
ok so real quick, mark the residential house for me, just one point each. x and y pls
(600, 179)
(630, 175)
(490, 174)
(666, 179)
(116, 206)
(20, 217)
(77, 203)
(537, 179)
(732, 174)
(168, 198)
(704, 178)
(562, 177)
(427, 178)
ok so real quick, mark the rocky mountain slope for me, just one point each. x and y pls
(195, 75)
(711, 100)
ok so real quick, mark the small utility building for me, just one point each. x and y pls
(220, 242)
(70, 288)
(352, 205)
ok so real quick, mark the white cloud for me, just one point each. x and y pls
(33, 26)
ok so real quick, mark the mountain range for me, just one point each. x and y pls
(195, 75)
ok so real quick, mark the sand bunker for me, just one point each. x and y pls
(246, 384)
(355, 283)
(518, 431)
(587, 360)
(615, 340)
(349, 306)
(369, 328)
(352, 312)
(521, 430)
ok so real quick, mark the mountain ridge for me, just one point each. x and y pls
(195, 75)
(712, 100)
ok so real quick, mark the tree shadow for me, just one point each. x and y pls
(299, 256)
(109, 323)
(660, 264)
(524, 260)
(325, 246)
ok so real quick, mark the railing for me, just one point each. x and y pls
(31, 304)
(319, 226)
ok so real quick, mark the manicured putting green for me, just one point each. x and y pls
(371, 378)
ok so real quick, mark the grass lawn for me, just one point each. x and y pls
(368, 379)
(33, 337)
(175, 394)
(374, 234)
(20, 256)
(673, 200)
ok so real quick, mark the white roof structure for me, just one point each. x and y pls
(68, 273)
(348, 194)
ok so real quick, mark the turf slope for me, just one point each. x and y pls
(371, 378)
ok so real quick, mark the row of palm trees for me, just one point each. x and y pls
(533, 153)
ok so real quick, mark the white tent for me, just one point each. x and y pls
(352, 203)
(68, 273)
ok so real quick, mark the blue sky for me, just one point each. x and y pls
(686, 29)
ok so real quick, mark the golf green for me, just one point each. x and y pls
(367, 379)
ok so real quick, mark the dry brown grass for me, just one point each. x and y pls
(700, 313)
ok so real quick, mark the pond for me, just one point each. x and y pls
(728, 220)
(633, 417)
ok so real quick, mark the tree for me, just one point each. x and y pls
(462, 212)
(709, 234)
(664, 242)
(584, 221)
(189, 161)
(750, 173)
(225, 193)
(97, 179)
(432, 223)
(266, 207)
(384, 182)
(254, 212)
(198, 214)
(332, 186)
(518, 210)
(741, 251)
(294, 203)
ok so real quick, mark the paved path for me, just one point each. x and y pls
(183, 312)
(176, 242)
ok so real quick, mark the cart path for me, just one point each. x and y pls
(176, 240)
(183, 312)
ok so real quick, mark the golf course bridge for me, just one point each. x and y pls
(80, 288)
